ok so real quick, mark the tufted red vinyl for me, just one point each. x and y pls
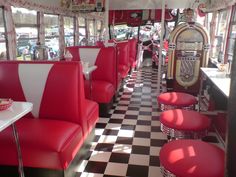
(176, 99)
(192, 158)
(184, 120)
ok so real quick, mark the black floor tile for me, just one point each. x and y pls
(119, 157)
(157, 142)
(119, 112)
(110, 132)
(145, 113)
(95, 167)
(101, 125)
(127, 127)
(140, 150)
(143, 122)
(115, 121)
(141, 134)
(135, 117)
(104, 147)
(156, 129)
(137, 171)
(124, 140)
(154, 161)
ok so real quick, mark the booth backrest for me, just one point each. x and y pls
(56, 89)
(100, 44)
(104, 58)
(132, 51)
(123, 53)
(74, 52)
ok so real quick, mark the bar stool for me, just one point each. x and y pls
(176, 100)
(187, 124)
(191, 158)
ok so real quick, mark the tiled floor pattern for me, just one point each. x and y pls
(127, 143)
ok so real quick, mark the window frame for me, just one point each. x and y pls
(5, 35)
(27, 25)
(73, 34)
(229, 37)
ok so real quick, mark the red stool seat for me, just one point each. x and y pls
(192, 158)
(176, 99)
(181, 123)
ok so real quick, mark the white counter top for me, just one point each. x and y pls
(15, 112)
(218, 78)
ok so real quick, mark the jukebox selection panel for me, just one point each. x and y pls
(189, 50)
(189, 45)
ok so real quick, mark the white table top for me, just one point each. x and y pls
(14, 113)
(219, 79)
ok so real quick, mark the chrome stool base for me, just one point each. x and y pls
(165, 107)
(179, 134)
(166, 173)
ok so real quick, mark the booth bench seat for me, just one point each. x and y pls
(44, 143)
(53, 133)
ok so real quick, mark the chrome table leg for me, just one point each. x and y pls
(20, 163)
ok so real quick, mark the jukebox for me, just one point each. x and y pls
(188, 51)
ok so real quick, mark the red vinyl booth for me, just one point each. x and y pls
(74, 52)
(104, 81)
(133, 52)
(52, 134)
(123, 58)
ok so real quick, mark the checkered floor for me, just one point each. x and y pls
(127, 143)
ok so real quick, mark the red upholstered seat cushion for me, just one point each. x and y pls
(186, 120)
(192, 158)
(44, 143)
(176, 99)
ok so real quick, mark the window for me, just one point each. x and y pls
(99, 29)
(69, 31)
(221, 32)
(26, 32)
(82, 31)
(232, 36)
(3, 50)
(52, 35)
(120, 32)
(91, 32)
(209, 18)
